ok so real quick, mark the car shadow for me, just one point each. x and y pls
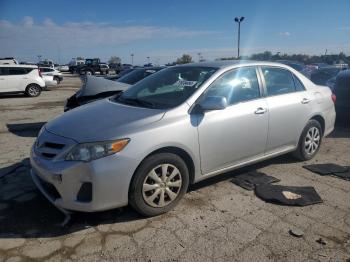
(341, 130)
(283, 159)
(25, 129)
(26, 213)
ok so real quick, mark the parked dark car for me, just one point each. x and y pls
(122, 73)
(95, 88)
(322, 75)
(342, 92)
(297, 66)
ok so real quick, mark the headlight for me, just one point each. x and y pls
(90, 151)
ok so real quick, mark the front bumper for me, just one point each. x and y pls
(61, 181)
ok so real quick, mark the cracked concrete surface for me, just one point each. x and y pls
(216, 221)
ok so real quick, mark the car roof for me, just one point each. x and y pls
(230, 63)
(18, 65)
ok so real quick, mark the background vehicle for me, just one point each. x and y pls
(63, 68)
(47, 71)
(75, 64)
(322, 75)
(8, 61)
(342, 91)
(179, 126)
(300, 67)
(95, 88)
(21, 79)
(93, 66)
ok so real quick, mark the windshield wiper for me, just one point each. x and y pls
(136, 101)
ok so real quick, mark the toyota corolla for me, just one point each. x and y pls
(179, 126)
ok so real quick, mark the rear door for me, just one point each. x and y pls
(289, 107)
(17, 78)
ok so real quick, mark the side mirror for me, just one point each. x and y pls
(213, 103)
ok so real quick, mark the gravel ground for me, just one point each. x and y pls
(216, 221)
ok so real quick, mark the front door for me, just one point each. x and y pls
(238, 132)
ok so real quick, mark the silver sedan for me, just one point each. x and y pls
(177, 127)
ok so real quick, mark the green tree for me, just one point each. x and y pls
(184, 59)
(114, 60)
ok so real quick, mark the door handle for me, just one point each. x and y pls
(260, 111)
(305, 101)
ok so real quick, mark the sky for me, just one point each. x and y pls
(165, 29)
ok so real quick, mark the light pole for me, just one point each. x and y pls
(239, 20)
(132, 59)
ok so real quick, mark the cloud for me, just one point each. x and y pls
(284, 34)
(30, 35)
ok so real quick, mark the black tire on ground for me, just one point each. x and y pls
(33, 90)
(301, 152)
(56, 79)
(136, 198)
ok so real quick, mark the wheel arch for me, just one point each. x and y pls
(30, 84)
(183, 154)
(319, 118)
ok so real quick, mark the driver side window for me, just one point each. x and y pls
(238, 85)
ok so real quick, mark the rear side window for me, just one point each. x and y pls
(18, 70)
(278, 81)
(3, 71)
(298, 84)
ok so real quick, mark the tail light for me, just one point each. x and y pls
(334, 98)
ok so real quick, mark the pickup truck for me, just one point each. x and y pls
(92, 66)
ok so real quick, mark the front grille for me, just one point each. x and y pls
(53, 145)
(48, 155)
(49, 145)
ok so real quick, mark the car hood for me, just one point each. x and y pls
(93, 85)
(102, 120)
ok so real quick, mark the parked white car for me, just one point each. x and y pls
(22, 79)
(8, 61)
(63, 68)
(57, 75)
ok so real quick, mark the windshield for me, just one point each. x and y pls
(168, 88)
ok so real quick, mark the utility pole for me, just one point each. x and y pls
(239, 20)
(132, 59)
(199, 56)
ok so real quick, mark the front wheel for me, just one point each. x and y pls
(158, 184)
(310, 141)
(33, 90)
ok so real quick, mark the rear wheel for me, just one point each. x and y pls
(33, 90)
(310, 141)
(57, 80)
(158, 184)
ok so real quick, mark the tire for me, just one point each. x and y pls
(57, 80)
(140, 196)
(310, 141)
(33, 90)
(88, 73)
